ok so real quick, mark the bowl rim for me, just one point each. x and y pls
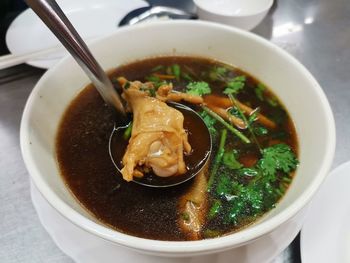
(205, 8)
(182, 248)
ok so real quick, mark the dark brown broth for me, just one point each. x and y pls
(82, 153)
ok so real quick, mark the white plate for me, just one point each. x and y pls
(325, 236)
(92, 19)
(84, 247)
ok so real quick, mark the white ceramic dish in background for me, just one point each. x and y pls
(84, 247)
(244, 14)
(273, 66)
(92, 19)
(325, 236)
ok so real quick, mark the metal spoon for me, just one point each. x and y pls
(52, 15)
(54, 18)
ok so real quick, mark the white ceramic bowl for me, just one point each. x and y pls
(293, 84)
(244, 14)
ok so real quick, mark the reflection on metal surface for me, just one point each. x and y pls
(286, 29)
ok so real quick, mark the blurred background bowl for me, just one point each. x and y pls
(244, 14)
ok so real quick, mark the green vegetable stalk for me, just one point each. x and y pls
(227, 125)
(218, 158)
(248, 123)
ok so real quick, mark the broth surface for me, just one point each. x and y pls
(84, 161)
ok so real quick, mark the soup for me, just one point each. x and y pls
(251, 166)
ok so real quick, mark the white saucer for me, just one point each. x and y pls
(84, 247)
(325, 236)
(92, 19)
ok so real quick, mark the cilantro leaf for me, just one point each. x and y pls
(215, 209)
(209, 121)
(251, 191)
(235, 212)
(259, 91)
(235, 85)
(249, 172)
(254, 199)
(229, 159)
(260, 131)
(217, 73)
(272, 101)
(198, 88)
(157, 82)
(220, 70)
(151, 92)
(127, 85)
(278, 157)
(224, 185)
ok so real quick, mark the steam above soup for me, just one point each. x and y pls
(251, 166)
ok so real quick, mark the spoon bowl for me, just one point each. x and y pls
(195, 161)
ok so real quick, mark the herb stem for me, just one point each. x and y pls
(233, 100)
(218, 158)
(190, 70)
(227, 125)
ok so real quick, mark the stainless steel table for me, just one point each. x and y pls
(315, 32)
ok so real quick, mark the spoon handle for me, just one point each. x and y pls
(54, 18)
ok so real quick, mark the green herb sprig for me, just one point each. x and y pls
(235, 85)
(227, 125)
(259, 194)
(217, 159)
(199, 88)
